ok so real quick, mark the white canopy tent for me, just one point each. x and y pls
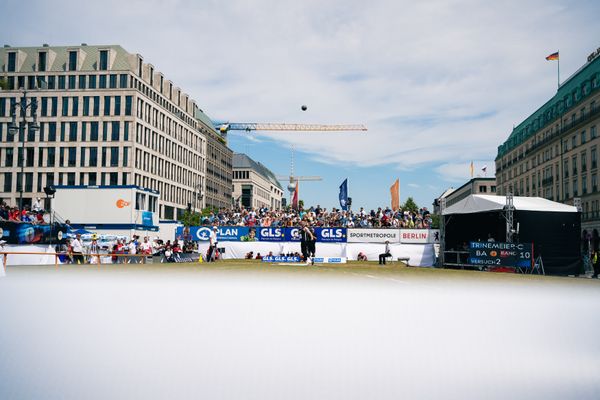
(476, 203)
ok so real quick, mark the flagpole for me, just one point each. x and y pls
(558, 69)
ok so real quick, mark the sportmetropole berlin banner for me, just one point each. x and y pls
(324, 235)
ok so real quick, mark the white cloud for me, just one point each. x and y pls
(438, 83)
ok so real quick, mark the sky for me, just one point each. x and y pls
(439, 83)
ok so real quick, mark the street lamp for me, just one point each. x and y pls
(199, 196)
(13, 128)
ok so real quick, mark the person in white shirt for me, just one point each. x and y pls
(132, 250)
(212, 249)
(77, 247)
(37, 205)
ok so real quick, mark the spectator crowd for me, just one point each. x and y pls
(321, 217)
(34, 214)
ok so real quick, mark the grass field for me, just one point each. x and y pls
(249, 330)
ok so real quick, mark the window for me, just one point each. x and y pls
(114, 135)
(96, 106)
(123, 81)
(125, 159)
(113, 177)
(103, 60)
(126, 131)
(106, 105)
(73, 131)
(81, 81)
(83, 131)
(94, 131)
(575, 188)
(51, 82)
(584, 185)
(128, 101)
(574, 141)
(61, 82)
(92, 179)
(12, 62)
(583, 161)
(594, 158)
(593, 132)
(113, 81)
(65, 106)
(583, 137)
(72, 81)
(482, 189)
(42, 61)
(8, 161)
(105, 131)
(86, 106)
(114, 157)
(117, 105)
(72, 61)
(71, 178)
(102, 82)
(104, 157)
(594, 183)
(93, 157)
(92, 81)
(72, 156)
(75, 106)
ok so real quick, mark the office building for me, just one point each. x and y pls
(554, 152)
(254, 185)
(106, 118)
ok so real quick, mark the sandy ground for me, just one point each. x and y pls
(243, 330)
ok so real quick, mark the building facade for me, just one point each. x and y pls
(219, 172)
(554, 152)
(474, 186)
(106, 118)
(254, 185)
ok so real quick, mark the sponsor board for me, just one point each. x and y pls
(330, 260)
(331, 235)
(373, 235)
(500, 254)
(224, 233)
(281, 259)
(419, 236)
(27, 233)
(271, 234)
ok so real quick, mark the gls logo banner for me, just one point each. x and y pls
(331, 235)
(271, 234)
(292, 234)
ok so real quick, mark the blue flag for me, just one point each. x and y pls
(344, 195)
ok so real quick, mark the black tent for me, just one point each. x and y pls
(553, 228)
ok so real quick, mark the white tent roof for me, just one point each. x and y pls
(476, 203)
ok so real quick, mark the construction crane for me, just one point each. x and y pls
(257, 126)
(223, 128)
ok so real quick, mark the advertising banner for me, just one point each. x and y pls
(26, 233)
(499, 254)
(282, 259)
(292, 234)
(224, 233)
(331, 235)
(419, 236)
(271, 234)
(147, 218)
(373, 235)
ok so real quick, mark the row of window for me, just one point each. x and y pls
(169, 192)
(168, 148)
(11, 182)
(71, 82)
(163, 168)
(71, 131)
(71, 105)
(66, 157)
(543, 185)
(72, 64)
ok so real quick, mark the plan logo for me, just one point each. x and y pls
(203, 234)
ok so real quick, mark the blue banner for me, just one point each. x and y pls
(281, 259)
(224, 233)
(331, 235)
(292, 234)
(252, 234)
(147, 218)
(271, 234)
(344, 195)
(27, 233)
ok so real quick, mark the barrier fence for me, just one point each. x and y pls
(98, 256)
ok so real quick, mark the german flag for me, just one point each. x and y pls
(553, 56)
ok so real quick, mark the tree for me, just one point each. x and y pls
(190, 218)
(3, 84)
(410, 205)
(435, 221)
(300, 203)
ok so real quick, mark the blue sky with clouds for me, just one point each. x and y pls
(438, 83)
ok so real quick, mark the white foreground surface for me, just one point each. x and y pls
(173, 334)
